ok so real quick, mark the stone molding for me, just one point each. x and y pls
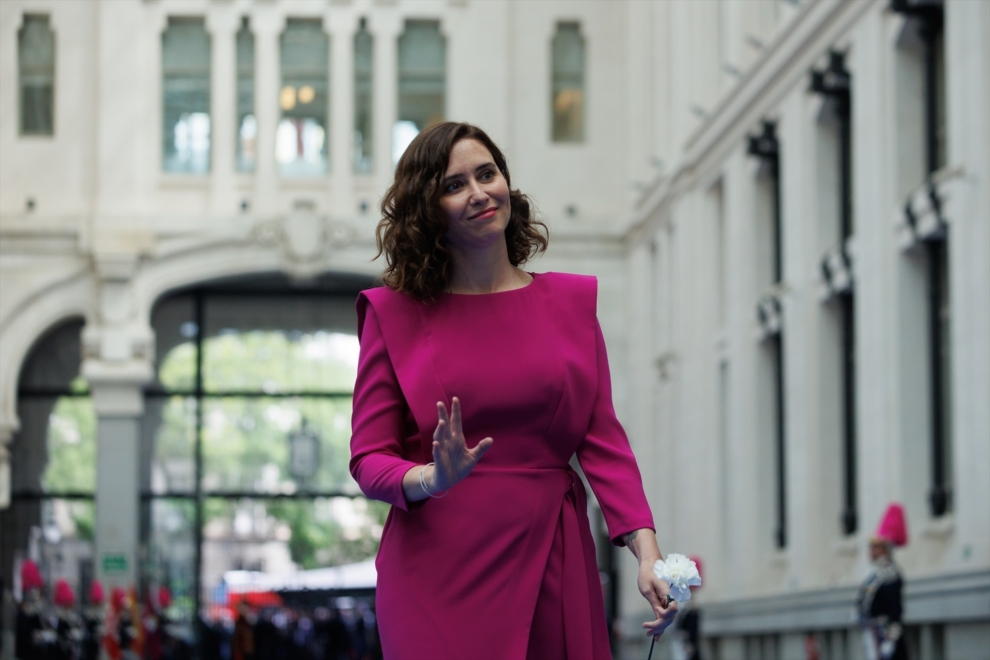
(953, 597)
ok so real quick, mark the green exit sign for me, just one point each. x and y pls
(114, 564)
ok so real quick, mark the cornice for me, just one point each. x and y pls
(786, 61)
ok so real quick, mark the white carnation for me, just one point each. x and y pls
(680, 573)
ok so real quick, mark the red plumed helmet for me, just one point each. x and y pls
(31, 576)
(893, 526)
(118, 598)
(64, 597)
(164, 597)
(96, 594)
(701, 573)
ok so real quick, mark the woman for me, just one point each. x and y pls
(487, 551)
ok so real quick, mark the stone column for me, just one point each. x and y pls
(341, 32)
(117, 362)
(222, 23)
(267, 25)
(385, 28)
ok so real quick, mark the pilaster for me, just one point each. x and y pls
(267, 25)
(385, 28)
(222, 24)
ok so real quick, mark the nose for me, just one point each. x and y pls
(478, 194)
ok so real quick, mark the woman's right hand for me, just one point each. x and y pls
(452, 459)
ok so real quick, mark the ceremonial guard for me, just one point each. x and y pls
(93, 621)
(881, 596)
(35, 637)
(67, 623)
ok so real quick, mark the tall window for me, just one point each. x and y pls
(247, 123)
(835, 84)
(301, 140)
(766, 147)
(36, 73)
(245, 434)
(186, 96)
(567, 93)
(929, 20)
(422, 82)
(52, 518)
(363, 120)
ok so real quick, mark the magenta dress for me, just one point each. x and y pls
(503, 567)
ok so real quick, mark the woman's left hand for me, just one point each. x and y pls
(657, 592)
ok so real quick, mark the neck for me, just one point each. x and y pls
(486, 270)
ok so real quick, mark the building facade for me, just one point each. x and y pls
(786, 204)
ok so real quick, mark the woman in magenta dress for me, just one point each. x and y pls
(477, 383)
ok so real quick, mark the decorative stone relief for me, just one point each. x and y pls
(305, 239)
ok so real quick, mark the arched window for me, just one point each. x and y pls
(36, 73)
(363, 119)
(246, 435)
(567, 93)
(301, 140)
(247, 123)
(186, 96)
(51, 519)
(422, 82)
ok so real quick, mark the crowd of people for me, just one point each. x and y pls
(343, 629)
(54, 625)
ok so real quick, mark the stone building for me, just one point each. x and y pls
(786, 203)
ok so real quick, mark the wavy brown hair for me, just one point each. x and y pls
(412, 229)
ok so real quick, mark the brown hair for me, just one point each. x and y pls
(412, 229)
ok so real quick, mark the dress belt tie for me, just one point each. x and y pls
(578, 622)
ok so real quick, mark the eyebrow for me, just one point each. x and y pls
(477, 169)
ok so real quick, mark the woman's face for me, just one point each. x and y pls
(475, 197)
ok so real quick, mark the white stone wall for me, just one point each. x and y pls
(673, 89)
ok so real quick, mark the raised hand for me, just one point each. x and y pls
(452, 458)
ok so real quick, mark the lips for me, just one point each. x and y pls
(484, 215)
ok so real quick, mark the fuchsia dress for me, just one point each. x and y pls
(504, 566)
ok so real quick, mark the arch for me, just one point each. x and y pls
(157, 278)
(70, 298)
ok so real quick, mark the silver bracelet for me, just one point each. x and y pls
(422, 483)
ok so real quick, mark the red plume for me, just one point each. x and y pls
(96, 595)
(64, 597)
(31, 576)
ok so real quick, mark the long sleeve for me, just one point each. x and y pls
(378, 460)
(608, 460)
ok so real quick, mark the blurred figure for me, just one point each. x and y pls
(242, 645)
(93, 616)
(880, 597)
(68, 624)
(34, 637)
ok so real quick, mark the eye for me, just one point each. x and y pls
(487, 175)
(453, 186)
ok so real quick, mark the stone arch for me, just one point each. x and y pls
(72, 298)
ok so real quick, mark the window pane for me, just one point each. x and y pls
(175, 329)
(363, 120)
(169, 434)
(186, 96)
(301, 137)
(170, 549)
(277, 445)
(58, 534)
(945, 363)
(422, 81)
(247, 124)
(568, 84)
(54, 451)
(36, 63)
(280, 344)
(279, 537)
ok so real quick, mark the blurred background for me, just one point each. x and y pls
(786, 202)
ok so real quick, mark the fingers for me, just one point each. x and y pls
(455, 416)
